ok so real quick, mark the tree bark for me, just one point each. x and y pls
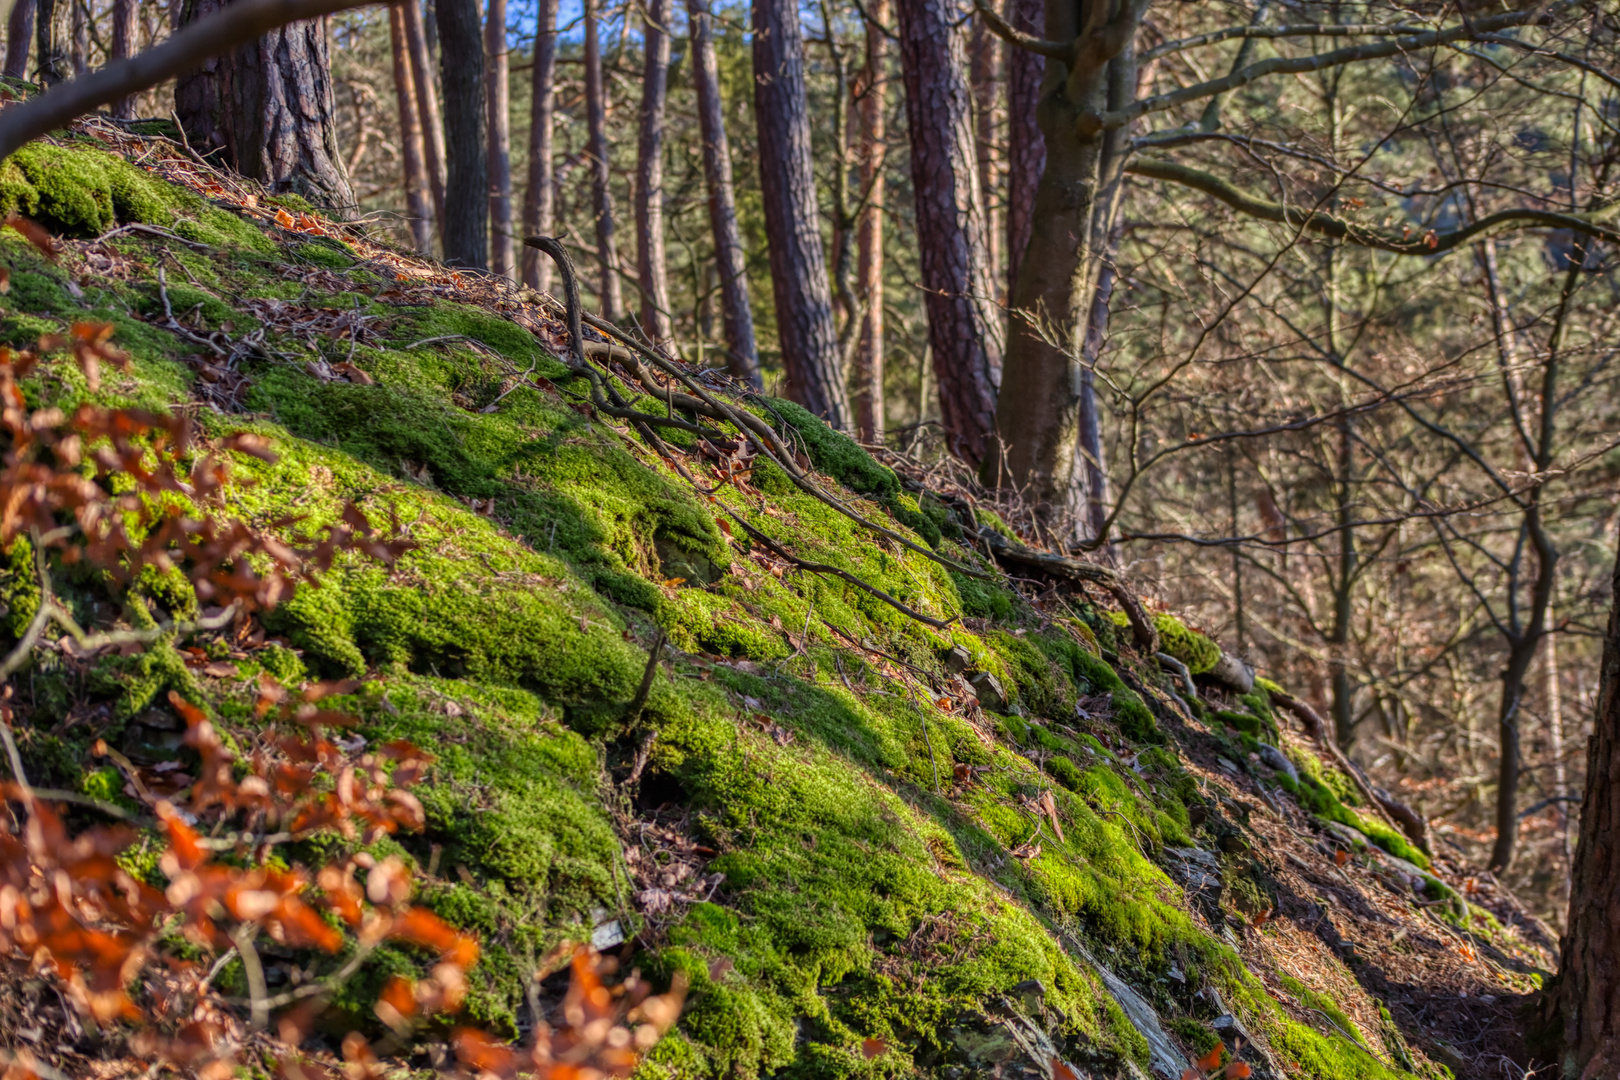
(268, 106)
(1588, 994)
(427, 105)
(1026, 146)
(53, 32)
(964, 330)
(19, 38)
(123, 44)
(986, 63)
(539, 199)
(417, 200)
(499, 124)
(610, 296)
(804, 318)
(651, 264)
(1076, 203)
(868, 374)
(81, 37)
(736, 310)
(464, 227)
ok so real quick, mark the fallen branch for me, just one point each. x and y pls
(1397, 814)
(1142, 628)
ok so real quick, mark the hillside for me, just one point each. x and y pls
(892, 807)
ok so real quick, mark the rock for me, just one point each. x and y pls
(955, 660)
(1232, 672)
(1235, 843)
(1276, 759)
(1197, 869)
(1163, 1057)
(987, 688)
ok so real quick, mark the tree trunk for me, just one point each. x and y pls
(1026, 146)
(868, 374)
(410, 134)
(19, 38)
(651, 264)
(123, 46)
(736, 310)
(269, 107)
(787, 183)
(986, 53)
(1092, 468)
(498, 98)
(427, 105)
(1588, 994)
(81, 37)
(1076, 202)
(53, 32)
(538, 200)
(464, 227)
(964, 330)
(609, 297)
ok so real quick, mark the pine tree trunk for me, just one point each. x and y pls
(410, 134)
(964, 331)
(53, 33)
(19, 38)
(123, 45)
(787, 182)
(610, 295)
(651, 263)
(868, 374)
(498, 98)
(538, 199)
(81, 37)
(1588, 994)
(427, 104)
(986, 54)
(269, 106)
(1026, 146)
(464, 227)
(736, 310)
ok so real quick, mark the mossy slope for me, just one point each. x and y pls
(878, 857)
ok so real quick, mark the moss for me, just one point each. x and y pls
(832, 452)
(862, 884)
(1197, 651)
(80, 191)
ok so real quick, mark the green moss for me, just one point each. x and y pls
(862, 885)
(1198, 652)
(832, 452)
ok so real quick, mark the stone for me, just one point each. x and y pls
(987, 688)
(955, 659)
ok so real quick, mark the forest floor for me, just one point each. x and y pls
(992, 841)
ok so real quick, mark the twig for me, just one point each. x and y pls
(639, 702)
(258, 991)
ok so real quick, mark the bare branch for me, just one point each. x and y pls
(1282, 65)
(1285, 31)
(1595, 223)
(1056, 50)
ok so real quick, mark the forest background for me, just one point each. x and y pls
(1390, 478)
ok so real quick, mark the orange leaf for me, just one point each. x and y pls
(1192, 1074)
(1341, 857)
(1211, 1060)
(1238, 1071)
(35, 234)
(1061, 1070)
(871, 1048)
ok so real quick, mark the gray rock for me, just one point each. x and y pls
(955, 660)
(1163, 1057)
(987, 688)
(1276, 759)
